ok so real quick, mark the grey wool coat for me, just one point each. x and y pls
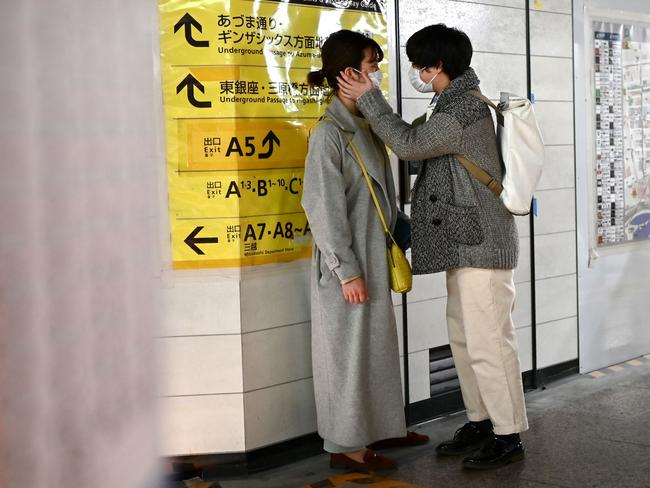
(355, 357)
(456, 220)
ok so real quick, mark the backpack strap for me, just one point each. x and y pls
(480, 174)
(472, 168)
(478, 94)
(489, 103)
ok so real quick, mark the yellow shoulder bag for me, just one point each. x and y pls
(399, 269)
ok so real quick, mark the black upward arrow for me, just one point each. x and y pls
(188, 21)
(192, 240)
(190, 82)
(269, 139)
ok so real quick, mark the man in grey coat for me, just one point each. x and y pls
(462, 228)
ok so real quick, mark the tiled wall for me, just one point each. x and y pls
(236, 360)
(201, 365)
(551, 47)
(278, 389)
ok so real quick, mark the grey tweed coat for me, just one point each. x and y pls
(355, 357)
(456, 221)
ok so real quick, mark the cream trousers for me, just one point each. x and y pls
(484, 345)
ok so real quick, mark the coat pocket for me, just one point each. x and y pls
(459, 224)
(323, 272)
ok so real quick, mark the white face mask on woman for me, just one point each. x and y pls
(418, 84)
(376, 77)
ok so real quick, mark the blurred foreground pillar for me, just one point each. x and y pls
(80, 158)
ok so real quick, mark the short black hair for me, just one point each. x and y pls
(437, 45)
(342, 49)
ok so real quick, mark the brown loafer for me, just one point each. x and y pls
(409, 440)
(371, 462)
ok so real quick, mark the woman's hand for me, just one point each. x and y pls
(351, 88)
(355, 291)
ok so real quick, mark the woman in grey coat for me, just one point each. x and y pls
(355, 354)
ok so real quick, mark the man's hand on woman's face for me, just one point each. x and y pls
(352, 88)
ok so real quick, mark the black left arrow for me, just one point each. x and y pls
(269, 139)
(188, 22)
(190, 82)
(192, 240)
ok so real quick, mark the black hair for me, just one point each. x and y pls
(342, 49)
(438, 46)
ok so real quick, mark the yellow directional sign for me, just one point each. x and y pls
(237, 114)
(250, 144)
(232, 193)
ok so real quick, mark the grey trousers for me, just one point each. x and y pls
(333, 448)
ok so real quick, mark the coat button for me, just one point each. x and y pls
(437, 222)
(433, 198)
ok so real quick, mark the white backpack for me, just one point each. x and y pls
(522, 152)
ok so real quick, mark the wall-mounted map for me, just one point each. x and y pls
(622, 118)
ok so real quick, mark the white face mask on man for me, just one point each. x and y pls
(418, 84)
(376, 77)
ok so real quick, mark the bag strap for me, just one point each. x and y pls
(472, 168)
(489, 103)
(389, 235)
(480, 174)
(479, 95)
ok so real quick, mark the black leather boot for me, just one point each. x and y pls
(467, 439)
(497, 451)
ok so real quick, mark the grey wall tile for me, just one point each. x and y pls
(561, 6)
(427, 325)
(551, 34)
(413, 108)
(551, 78)
(559, 168)
(555, 120)
(482, 23)
(279, 413)
(501, 3)
(556, 298)
(556, 211)
(192, 307)
(201, 424)
(262, 292)
(201, 365)
(500, 73)
(275, 356)
(557, 342)
(555, 255)
(419, 380)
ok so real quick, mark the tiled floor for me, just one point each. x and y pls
(586, 431)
